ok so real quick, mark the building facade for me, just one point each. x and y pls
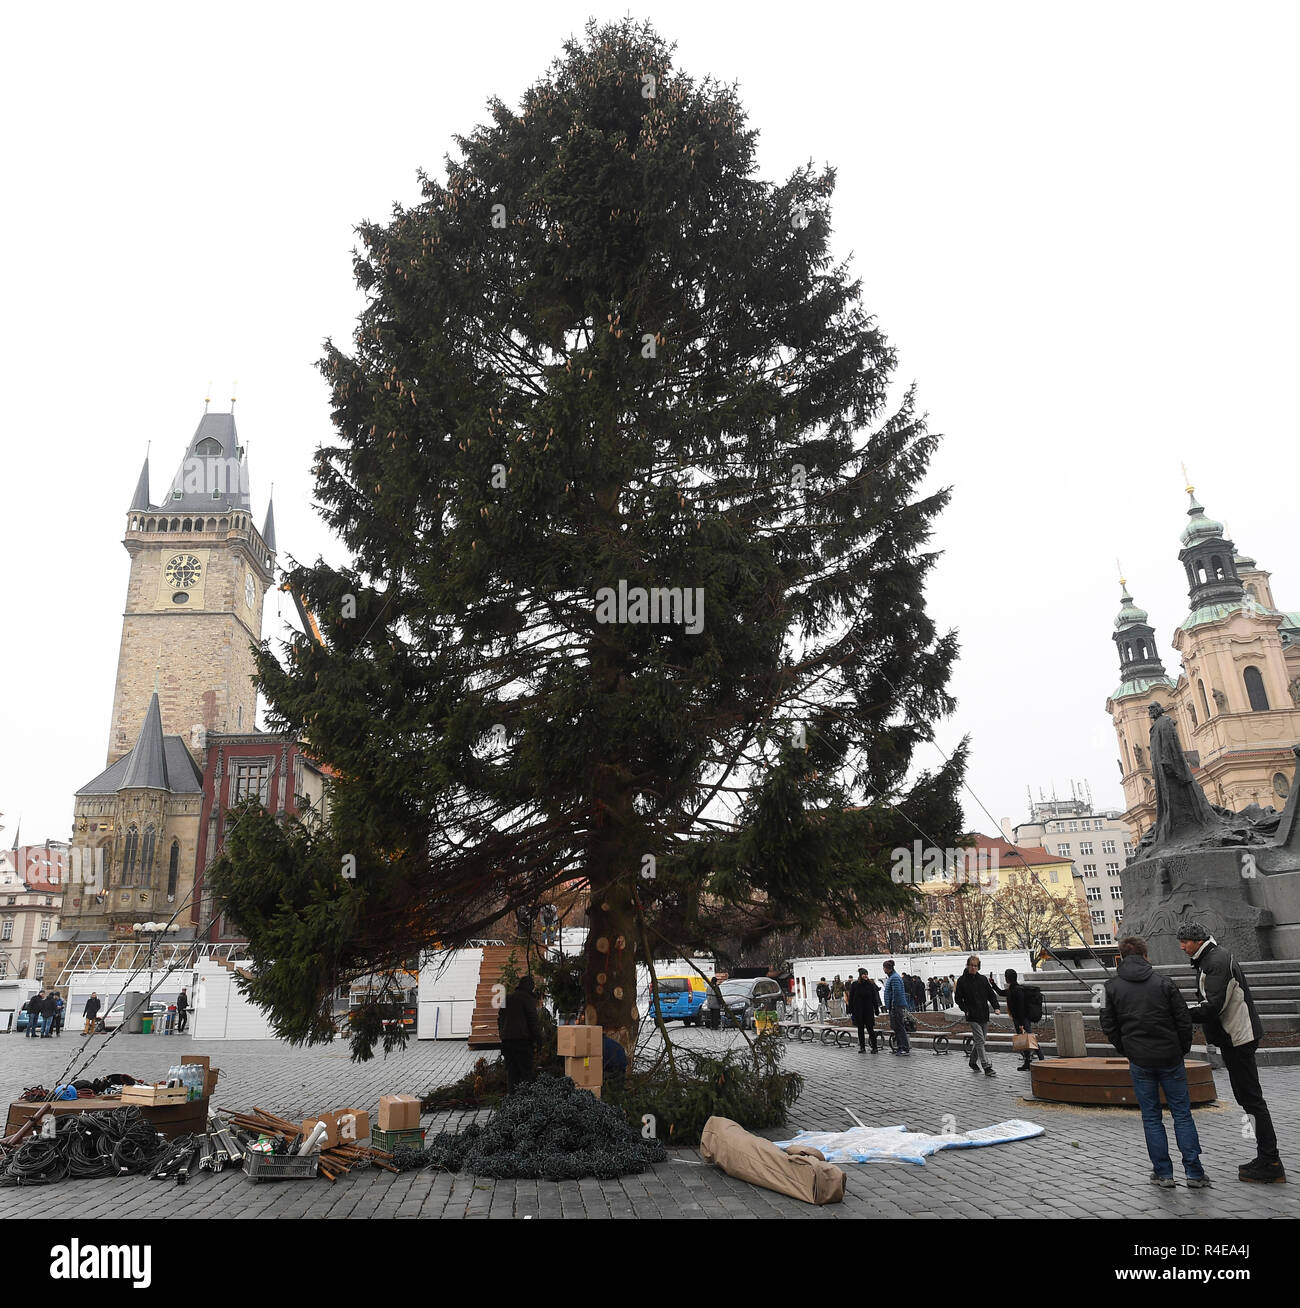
(1099, 841)
(199, 572)
(29, 915)
(1236, 699)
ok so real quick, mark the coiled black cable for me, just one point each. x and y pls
(85, 1146)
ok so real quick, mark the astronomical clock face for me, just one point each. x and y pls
(249, 593)
(183, 570)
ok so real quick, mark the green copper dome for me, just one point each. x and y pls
(1200, 527)
(1129, 612)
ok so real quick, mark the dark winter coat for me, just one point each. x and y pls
(823, 992)
(975, 996)
(517, 1020)
(1226, 1011)
(50, 1007)
(1016, 1007)
(92, 1008)
(864, 999)
(35, 1006)
(1145, 1017)
(182, 1003)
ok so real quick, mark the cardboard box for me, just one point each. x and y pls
(353, 1124)
(398, 1112)
(586, 1072)
(331, 1128)
(578, 1041)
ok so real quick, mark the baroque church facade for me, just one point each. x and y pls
(1236, 699)
(199, 573)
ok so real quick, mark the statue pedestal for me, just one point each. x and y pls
(1214, 887)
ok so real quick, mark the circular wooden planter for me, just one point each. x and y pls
(1107, 1081)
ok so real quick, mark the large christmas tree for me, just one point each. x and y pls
(638, 560)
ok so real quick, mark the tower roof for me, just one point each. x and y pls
(268, 527)
(140, 500)
(1200, 527)
(1129, 613)
(214, 472)
(148, 765)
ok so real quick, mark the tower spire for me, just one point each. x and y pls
(1135, 639)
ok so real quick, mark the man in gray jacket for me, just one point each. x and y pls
(1227, 1012)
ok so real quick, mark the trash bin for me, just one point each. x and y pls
(146, 1025)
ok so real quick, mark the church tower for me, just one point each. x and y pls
(200, 570)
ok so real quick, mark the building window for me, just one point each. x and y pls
(39, 970)
(4, 968)
(146, 857)
(1063, 849)
(1128, 847)
(1116, 892)
(1074, 826)
(1112, 869)
(45, 929)
(1085, 847)
(1090, 869)
(1053, 875)
(1002, 942)
(1097, 824)
(251, 779)
(1255, 691)
(13, 899)
(1098, 916)
(1064, 941)
(1094, 894)
(954, 941)
(1103, 938)
(128, 855)
(1107, 846)
(7, 929)
(936, 939)
(173, 869)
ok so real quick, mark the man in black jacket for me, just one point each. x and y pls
(35, 1007)
(520, 1033)
(182, 1011)
(975, 996)
(49, 1013)
(823, 1000)
(864, 1004)
(1227, 1012)
(1147, 1021)
(91, 1014)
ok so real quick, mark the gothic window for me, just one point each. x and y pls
(208, 448)
(146, 857)
(173, 869)
(129, 851)
(1205, 703)
(1255, 691)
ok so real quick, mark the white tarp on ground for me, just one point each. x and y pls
(896, 1144)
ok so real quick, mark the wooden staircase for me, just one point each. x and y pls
(483, 1024)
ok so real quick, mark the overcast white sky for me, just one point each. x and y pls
(1077, 224)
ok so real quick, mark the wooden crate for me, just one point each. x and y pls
(154, 1096)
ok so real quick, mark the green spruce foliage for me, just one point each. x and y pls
(637, 540)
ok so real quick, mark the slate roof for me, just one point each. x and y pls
(198, 476)
(157, 762)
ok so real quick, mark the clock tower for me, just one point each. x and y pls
(200, 570)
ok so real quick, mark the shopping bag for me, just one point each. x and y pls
(1024, 1041)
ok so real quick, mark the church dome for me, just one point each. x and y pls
(1129, 612)
(1200, 527)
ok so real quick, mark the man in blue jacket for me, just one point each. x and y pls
(1147, 1021)
(895, 1001)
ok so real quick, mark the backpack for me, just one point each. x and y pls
(1033, 998)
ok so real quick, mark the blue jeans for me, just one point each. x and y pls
(1148, 1082)
(898, 1022)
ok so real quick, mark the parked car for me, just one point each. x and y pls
(743, 997)
(681, 998)
(114, 1018)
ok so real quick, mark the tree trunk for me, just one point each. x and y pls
(610, 978)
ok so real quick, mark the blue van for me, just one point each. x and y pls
(681, 998)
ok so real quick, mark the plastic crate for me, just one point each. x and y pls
(281, 1167)
(411, 1138)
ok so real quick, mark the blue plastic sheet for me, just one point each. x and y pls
(896, 1144)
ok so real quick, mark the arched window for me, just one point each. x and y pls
(1128, 652)
(173, 870)
(187, 525)
(223, 525)
(208, 448)
(1255, 691)
(1142, 649)
(1205, 703)
(1216, 567)
(146, 856)
(129, 851)
(1199, 570)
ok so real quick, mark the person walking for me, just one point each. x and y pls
(945, 992)
(520, 1032)
(864, 1004)
(1228, 1014)
(1148, 1022)
(1024, 1007)
(182, 1012)
(895, 1001)
(35, 1007)
(91, 1014)
(49, 1008)
(823, 999)
(976, 995)
(934, 993)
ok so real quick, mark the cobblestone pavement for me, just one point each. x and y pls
(1090, 1162)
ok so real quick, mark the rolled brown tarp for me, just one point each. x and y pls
(800, 1172)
